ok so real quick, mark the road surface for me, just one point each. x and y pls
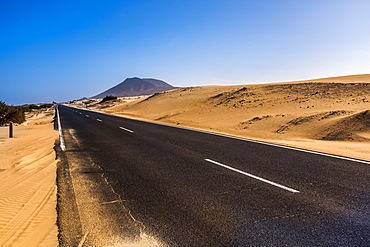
(133, 181)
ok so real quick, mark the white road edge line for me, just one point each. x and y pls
(62, 145)
(99, 120)
(253, 176)
(241, 139)
(126, 129)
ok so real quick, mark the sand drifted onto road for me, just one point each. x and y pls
(28, 183)
(330, 115)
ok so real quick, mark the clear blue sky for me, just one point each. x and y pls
(64, 50)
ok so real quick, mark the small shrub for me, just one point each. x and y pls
(107, 98)
(13, 114)
(33, 106)
(46, 105)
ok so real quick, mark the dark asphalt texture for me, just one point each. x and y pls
(161, 175)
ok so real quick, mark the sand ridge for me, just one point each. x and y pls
(362, 78)
(28, 183)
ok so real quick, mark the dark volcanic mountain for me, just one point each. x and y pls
(135, 87)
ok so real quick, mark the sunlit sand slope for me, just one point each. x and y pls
(28, 184)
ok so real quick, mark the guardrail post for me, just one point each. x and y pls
(11, 130)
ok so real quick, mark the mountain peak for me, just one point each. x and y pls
(137, 86)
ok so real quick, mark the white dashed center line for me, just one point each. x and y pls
(99, 120)
(126, 129)
(253, 176)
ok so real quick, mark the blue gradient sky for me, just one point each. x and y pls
(64, 50)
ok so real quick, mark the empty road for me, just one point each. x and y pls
(132, 180)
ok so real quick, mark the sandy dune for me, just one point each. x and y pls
(329, 115)
(341, 79)
(28, 183)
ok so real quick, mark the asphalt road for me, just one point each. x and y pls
(190, 188)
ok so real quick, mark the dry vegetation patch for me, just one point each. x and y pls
(310, 118)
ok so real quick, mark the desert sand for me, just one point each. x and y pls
(330, 115)
(28, 183)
